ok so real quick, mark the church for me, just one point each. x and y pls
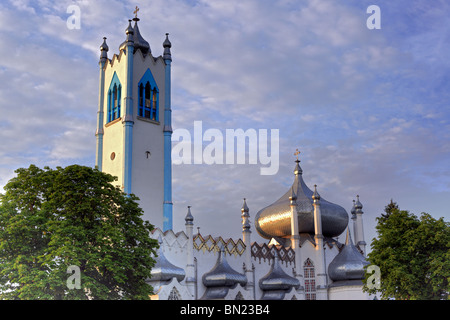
(302, 258)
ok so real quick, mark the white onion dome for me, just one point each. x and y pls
(348, 264)
(275, 220)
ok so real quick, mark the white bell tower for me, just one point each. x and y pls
(134, 123)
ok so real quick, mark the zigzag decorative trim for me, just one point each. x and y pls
(213, 244)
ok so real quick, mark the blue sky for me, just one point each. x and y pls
(369, 109)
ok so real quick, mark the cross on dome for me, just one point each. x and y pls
(297, 153)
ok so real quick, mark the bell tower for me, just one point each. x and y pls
(134, 123)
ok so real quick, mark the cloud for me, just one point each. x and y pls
(368, 109)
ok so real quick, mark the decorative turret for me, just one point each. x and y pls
(353, 211)
(316, 195)
(358, 205)
(277, 283)
(246, 237)
(129, 31)
(167, 45)
(189, 218)
(104, 51)
(359, 229)
(245, 217)
(191, 278)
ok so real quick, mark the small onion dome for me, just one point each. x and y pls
(358, 205)
(222, 274)
(277, 279)
(164, 270)
(189, 218)
(275, 220)
(316, 195)
(167, 45)
(353, 211)
(129, 31)
(244, 208)
(348, 264)
(104, 50)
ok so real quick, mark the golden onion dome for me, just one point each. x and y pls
(275, 220)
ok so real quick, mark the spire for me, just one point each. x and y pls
(104, 51)
(316, 195)
(293, 197)
(348, 238)
(358, 205)
(245, 217)
(298, 170)
(245, 209)
(129, 41)
(353, 211)
(167, 45)
(129, 31)
(189, 218)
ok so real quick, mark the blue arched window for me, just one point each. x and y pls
(148, 97)
(114, 98)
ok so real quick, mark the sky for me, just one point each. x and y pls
(368, 108)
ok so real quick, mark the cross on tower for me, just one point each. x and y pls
(136, 11)
(297, 153)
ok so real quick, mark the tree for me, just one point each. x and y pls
(413, 255)
(392, 206)
(53, 219)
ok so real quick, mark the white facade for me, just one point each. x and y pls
(205, 252)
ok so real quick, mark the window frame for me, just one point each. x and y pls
(147, 88)
(114, 99)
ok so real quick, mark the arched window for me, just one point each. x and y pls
(114, 99)
(174, 294)
(148, 97)
(310, 280)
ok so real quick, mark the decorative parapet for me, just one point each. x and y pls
(170, 238)
(236, 248)
(265, 251)
(213, 244)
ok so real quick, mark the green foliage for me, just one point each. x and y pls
(53, 219)
(413, 255)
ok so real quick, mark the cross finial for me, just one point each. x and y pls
(297, 153)
(136, 11)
